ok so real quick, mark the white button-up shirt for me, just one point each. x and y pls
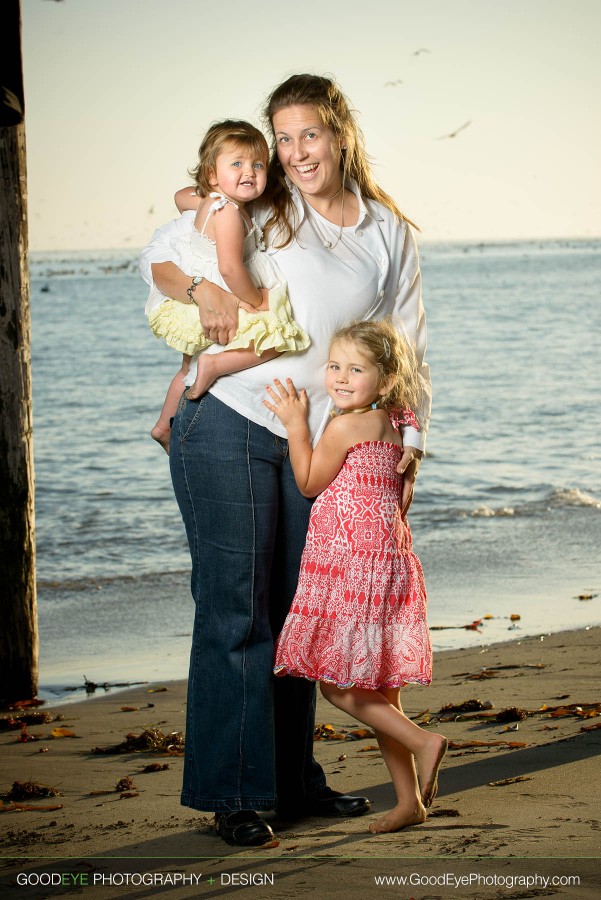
(371, 270)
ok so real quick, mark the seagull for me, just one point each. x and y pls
(453, 134)
(421, 50)
(393, 83)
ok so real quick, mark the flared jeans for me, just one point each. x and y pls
(249, 736)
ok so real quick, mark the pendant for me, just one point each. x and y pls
(327, 245)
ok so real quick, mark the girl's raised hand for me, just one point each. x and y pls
(287, 404)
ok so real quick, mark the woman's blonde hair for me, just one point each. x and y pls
(393, 355)
(335, 112)
(220, 136)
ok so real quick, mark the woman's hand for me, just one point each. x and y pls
(289, 406)
(218, 311)
(408, 467)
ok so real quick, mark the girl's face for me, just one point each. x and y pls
(239, 173)
(308, 151)
(352, 379)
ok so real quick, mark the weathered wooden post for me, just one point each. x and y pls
(18, 616)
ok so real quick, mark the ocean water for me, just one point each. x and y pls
(507, 515)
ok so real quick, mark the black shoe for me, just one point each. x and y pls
(244, 828)
(327, 804)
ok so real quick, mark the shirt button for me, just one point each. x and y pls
(381, 294)
(359, 234)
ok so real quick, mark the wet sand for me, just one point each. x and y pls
(545, 825)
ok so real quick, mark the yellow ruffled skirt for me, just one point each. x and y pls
(179, 325)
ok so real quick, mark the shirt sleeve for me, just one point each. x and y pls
(410, 315)
(160, 249)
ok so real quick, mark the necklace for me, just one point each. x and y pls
(333, 197)
(364, 409)
(315, 222)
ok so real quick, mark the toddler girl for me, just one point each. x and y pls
(357, 623)
(225, 246)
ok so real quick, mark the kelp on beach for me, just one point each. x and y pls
(151, 740)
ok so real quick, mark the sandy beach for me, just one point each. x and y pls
(525, 837)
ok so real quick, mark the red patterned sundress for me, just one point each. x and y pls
(358, 617)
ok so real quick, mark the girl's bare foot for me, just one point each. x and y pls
(428, 764)
(162, 435)
(399, 817)
(205, 376)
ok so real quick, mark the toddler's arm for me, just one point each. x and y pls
(315, 469)
(230, 235)
(186, 198)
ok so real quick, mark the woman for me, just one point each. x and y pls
(346, 253)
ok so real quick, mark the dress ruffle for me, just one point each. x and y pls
(275, 329)
(400, 417)
(179, 325)
(371, 658)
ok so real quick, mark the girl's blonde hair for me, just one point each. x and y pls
(335, 112)
(220, 136)
(393, 355)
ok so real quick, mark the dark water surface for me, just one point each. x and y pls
(507, 517)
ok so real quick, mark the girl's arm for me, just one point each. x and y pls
(229, 236)
(314, 469)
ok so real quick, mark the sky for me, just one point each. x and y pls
(119, 93)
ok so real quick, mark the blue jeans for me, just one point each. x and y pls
(249, 736)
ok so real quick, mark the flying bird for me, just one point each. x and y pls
(393, 83)
(421, 50)
(151, 210)
(453, 134)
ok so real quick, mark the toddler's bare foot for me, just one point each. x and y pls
(205, 377)
(399, 817)
(162, 435)
(428, 764)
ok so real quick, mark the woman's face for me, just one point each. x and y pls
(308, 150)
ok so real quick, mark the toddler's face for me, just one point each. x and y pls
(240, 174)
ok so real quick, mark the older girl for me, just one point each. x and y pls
(357, 623)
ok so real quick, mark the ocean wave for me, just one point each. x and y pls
(559, 498)
(486, 511)
(572, 497)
